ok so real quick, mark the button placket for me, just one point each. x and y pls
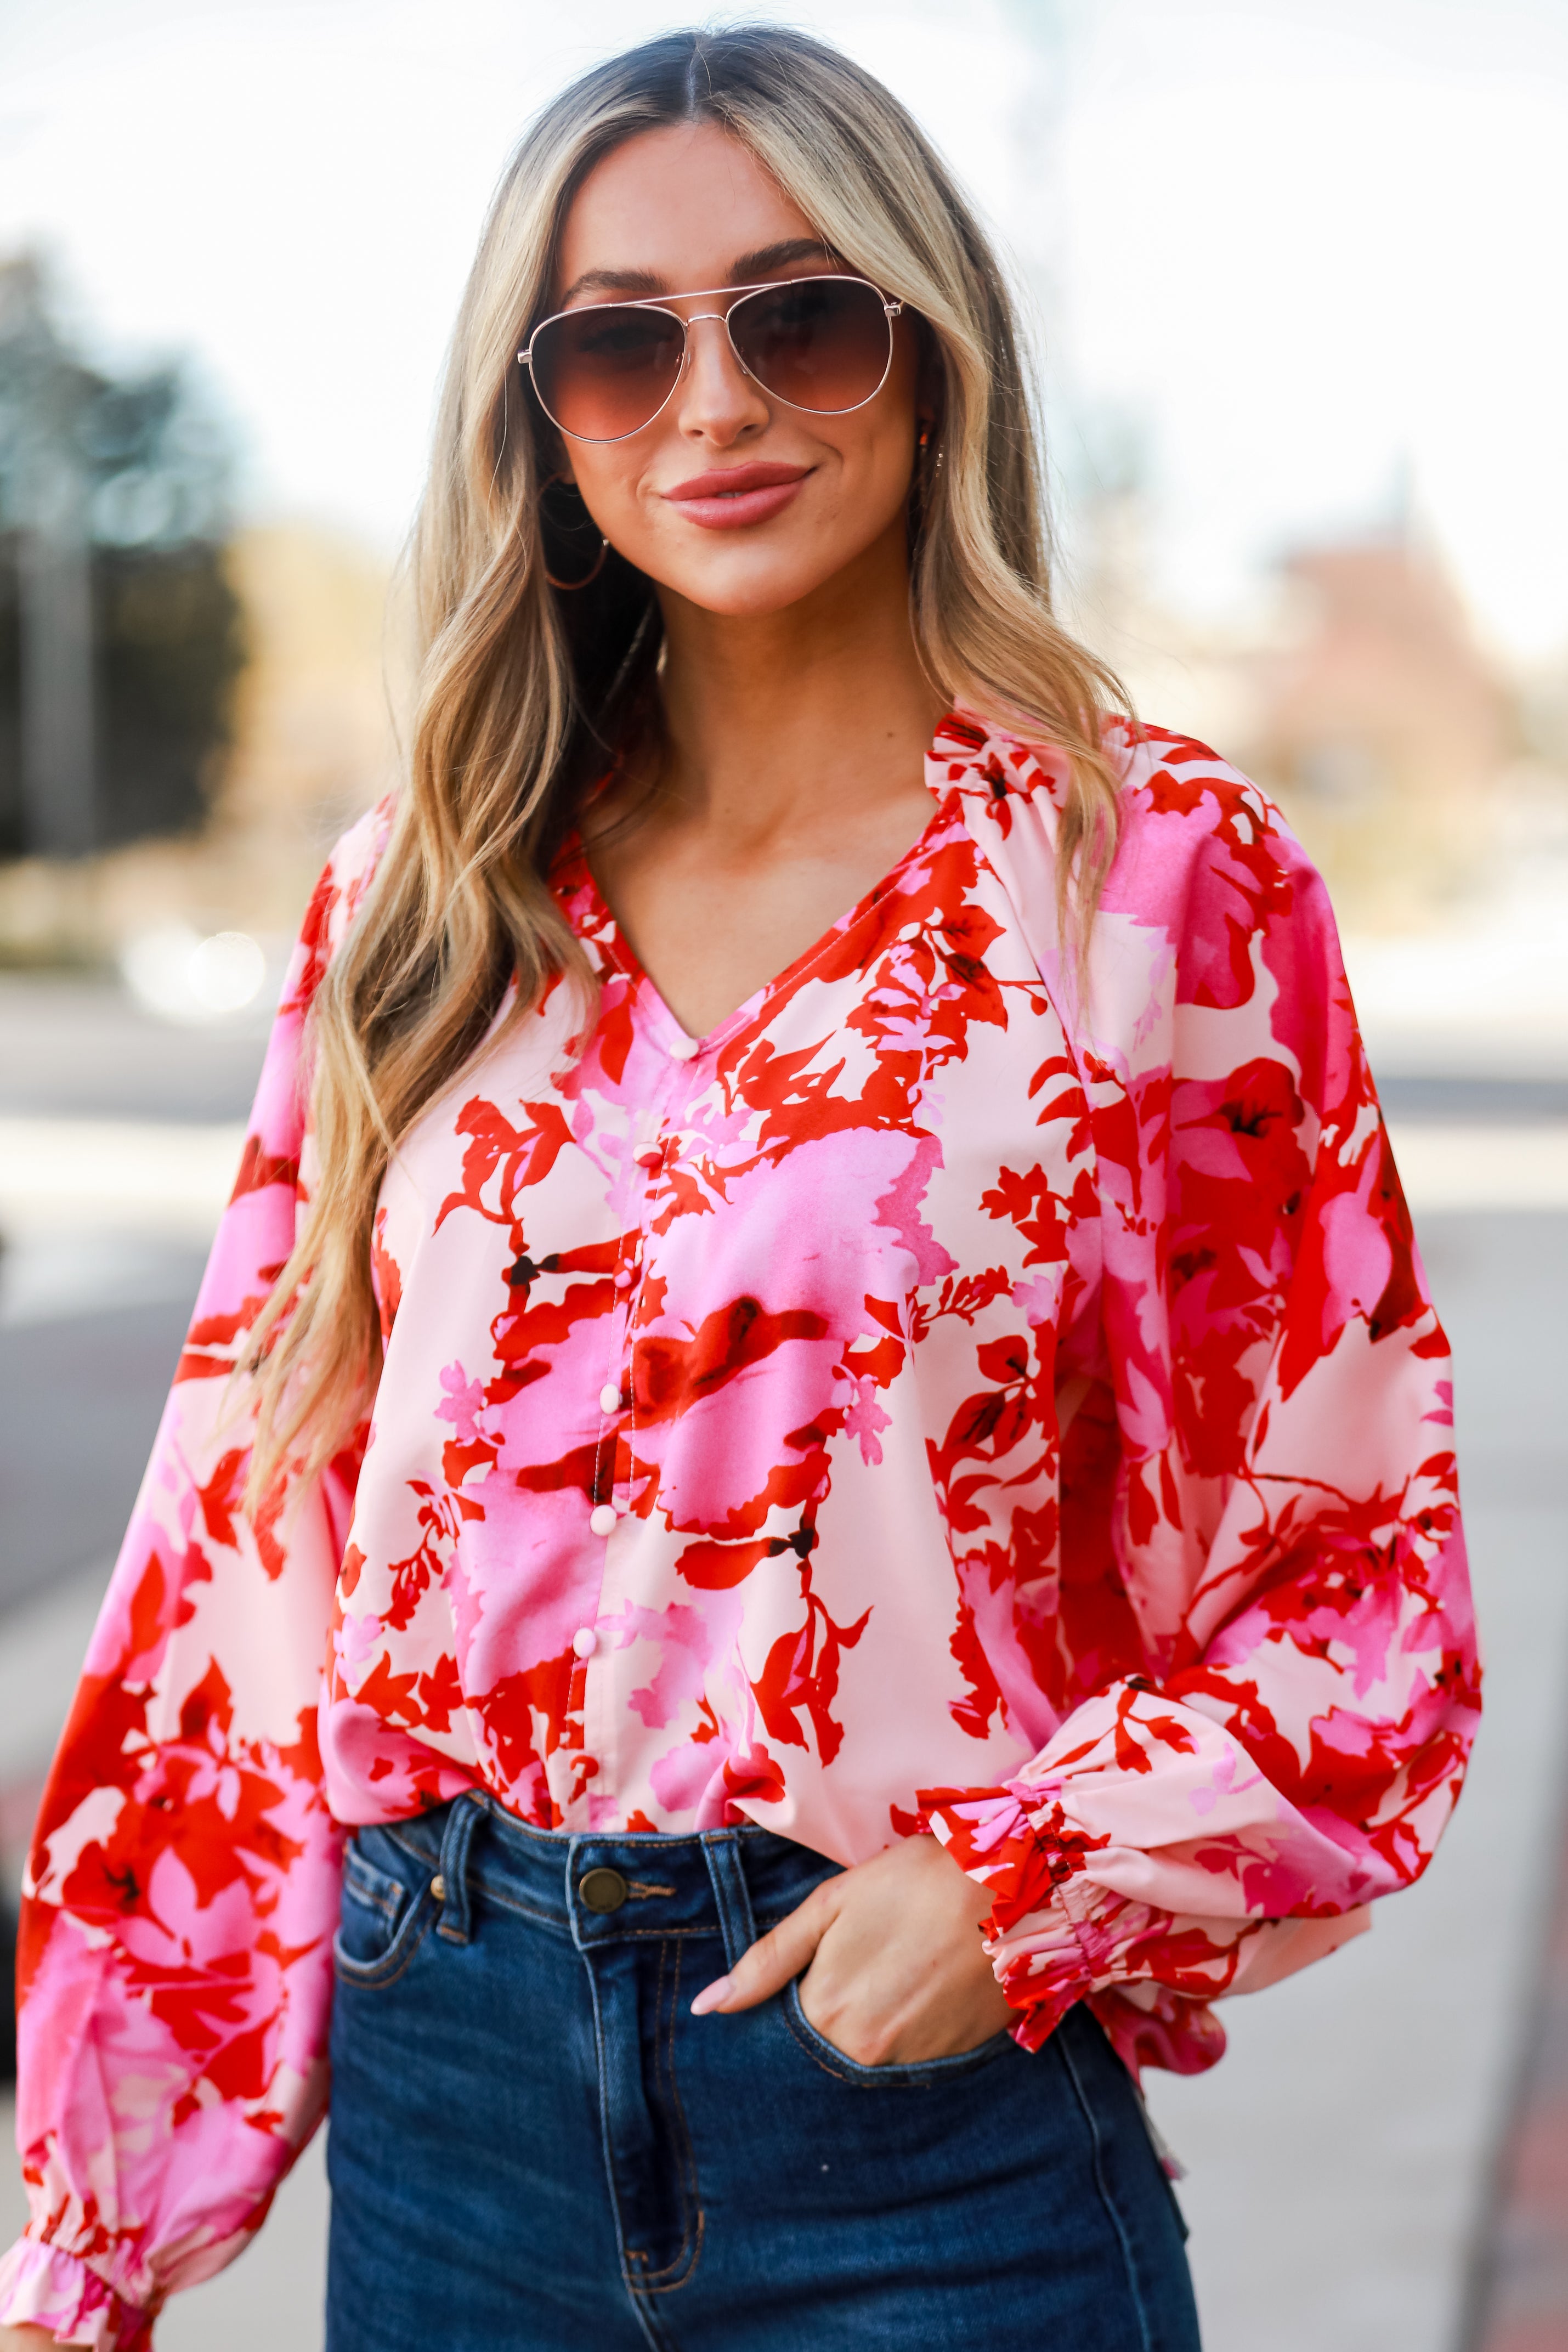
(589, 1708)
(602, 1517)
(650, 1143)
(652, 1160)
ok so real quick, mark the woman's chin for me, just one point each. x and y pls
(750, 583)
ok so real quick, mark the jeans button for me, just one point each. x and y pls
(602, 1890)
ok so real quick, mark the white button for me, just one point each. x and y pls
(585, 1641)
(684, 1049)
(602, 1518)
(623, 1279)
(609, 1398)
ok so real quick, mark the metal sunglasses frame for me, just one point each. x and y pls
(737, 294)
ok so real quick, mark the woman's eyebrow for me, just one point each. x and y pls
(745, 270)
(613, 281)
(748, 267)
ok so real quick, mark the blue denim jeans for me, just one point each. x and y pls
(535, 2144)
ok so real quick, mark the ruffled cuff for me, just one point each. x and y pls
(1057, 1935)
(1025, 1858)
(43, 2287)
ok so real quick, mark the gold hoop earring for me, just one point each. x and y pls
(568, 587)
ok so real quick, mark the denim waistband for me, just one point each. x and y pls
(602, 1889)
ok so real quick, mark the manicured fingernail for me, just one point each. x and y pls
(713, 1996)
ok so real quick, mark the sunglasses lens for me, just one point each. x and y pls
(603, 373)
(822, 343)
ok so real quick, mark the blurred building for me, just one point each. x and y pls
(188, 715)
(1413, 767)
(310, 743)
(120, 636)
(1382, 728)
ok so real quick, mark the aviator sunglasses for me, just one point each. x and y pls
(823, 344)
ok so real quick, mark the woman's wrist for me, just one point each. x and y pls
(49, 2295)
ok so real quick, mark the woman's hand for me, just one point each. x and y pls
(24, 2339)
(897, 1970)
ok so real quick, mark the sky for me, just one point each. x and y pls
(1304, 256)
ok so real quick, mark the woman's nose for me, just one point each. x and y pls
(717, 399)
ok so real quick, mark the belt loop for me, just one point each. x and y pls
(462, 1818)
(721, 1852)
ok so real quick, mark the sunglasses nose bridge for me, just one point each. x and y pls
(716, 319)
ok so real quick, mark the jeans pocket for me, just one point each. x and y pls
(384, 1914)
(928, 2074)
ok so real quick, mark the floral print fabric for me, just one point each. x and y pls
(958, 1393)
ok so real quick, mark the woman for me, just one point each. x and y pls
(870, 1491)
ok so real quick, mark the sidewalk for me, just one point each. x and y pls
(1520, 2301)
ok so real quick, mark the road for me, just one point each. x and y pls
(93, 1308)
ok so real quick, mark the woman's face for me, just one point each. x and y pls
(689, 207)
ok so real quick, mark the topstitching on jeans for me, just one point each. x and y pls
(373, 1975)
(373, 1889)
(647, 2314)
(928, 2075)
(484, 1884)
(601, 1937)
(1061, 2043)
(694, 2219)
(484, 1891)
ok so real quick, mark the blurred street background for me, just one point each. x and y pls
(1295, 268)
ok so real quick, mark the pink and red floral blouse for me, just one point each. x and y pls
(940, 1397)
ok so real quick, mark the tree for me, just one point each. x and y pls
(119, 637)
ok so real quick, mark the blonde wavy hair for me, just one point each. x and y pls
(524, 693)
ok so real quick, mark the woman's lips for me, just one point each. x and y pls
(731, 495)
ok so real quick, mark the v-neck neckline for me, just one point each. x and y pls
(607, 933)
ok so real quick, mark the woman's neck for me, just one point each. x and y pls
(791, 779)
(779, 723)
